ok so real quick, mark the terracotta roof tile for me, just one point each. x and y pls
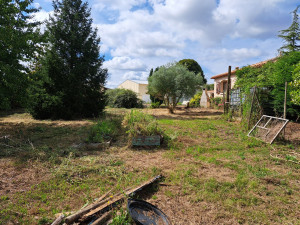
(257, 65)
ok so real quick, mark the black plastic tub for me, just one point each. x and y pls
(144, 213)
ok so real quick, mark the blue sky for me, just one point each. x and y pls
(137, 35)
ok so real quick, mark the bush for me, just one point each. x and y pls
(195, 101)
(123, 98)
(217, 101)
(155, 105)
(138, 123)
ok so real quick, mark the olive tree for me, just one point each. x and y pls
(173, 82)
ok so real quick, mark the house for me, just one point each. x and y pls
(220, 83)
(139, 87)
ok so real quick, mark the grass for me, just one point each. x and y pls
(209, 164)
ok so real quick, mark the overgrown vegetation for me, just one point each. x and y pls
(273, 76)
(195, 101)
(123, 98)
(104, 130)
(138, 123)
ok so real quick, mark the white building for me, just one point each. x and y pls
(139, 87)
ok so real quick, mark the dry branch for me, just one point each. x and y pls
(58, 220)
(104, 218)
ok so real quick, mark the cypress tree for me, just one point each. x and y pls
(291, 36)
(70, 79)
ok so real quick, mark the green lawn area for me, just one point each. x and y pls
(213, 173)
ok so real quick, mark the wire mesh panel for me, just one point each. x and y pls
(235, 99)
(268, 128)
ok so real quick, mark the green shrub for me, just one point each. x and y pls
(138, 123)
(123, 98)
(155, 105)
(195, 101)
(121, 219)
(103, 131)
(217, 101)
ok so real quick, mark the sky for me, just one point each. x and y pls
(137, 35)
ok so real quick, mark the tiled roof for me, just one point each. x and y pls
(257, 65)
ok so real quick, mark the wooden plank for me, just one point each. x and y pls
(117, 199)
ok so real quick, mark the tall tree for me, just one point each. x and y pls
(173, 82)
(71, 80)
(18, 39)
(193, 66)
(153, 98)
(291, 36)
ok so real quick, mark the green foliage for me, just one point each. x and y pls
(138, 123)
(195, 101)
(122, 218)
(273, 76)
(173, 82)
(209, 87)
(295, 85)
(193, 66)
(155, 105)
(69, 76)
(216, 101)
(291, 36)
(19, 38)
(123, 98)
(154, 100)
(103, 131)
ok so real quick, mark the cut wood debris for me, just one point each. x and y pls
(100, 209)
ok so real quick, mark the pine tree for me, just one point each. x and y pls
(72, 78)
(291, 36)
(18, 39)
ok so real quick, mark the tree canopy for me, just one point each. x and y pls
(70, 80)
(18, 43)
(172, 82)
(193, 66)
(291, 36)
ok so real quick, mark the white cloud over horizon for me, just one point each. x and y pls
(138, 35)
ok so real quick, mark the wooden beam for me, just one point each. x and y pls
(117, 199)
(228, 89)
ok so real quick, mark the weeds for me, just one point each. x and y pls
(103, 131)
(138, 123)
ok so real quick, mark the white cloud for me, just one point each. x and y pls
(232, 32)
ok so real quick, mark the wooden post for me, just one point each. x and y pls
(228, 89)
(251, 108)
(285, 94)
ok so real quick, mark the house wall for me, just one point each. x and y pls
(143, 89)
(140, 89)
(219, 80)
(130, 85)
